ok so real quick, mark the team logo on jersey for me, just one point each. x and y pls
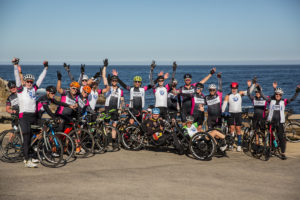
(193, 129)
(161, 92)
(235, 99)
(31, 94)
(95, 96)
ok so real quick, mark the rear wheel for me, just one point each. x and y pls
(257, 144)
(132, 138)
(11, 146)
(202, 146)
(292, 132)
(68, 145)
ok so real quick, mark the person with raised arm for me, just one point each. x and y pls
(27, 105)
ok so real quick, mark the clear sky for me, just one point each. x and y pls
(136, 31)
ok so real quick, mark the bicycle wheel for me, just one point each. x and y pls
(85, 143)
(132, 138)
(101, 141)
(292, 132)
(267, 148)
(246, 139)
(68, 145)
(50, 151)
(202, 146)
(257, 144)
(109, 131)
(11, 146)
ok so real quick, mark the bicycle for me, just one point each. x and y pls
(291, 128)
(271, 144)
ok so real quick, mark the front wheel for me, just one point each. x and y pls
(292, 132)
(132, 138)
(202, 146)
(257, 145)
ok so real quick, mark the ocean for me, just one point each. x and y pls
(287, 76)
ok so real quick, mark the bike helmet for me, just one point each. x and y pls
(155, 111)
(175, 82)
(87, 89)
(234, 85)
(137, 78)
(29, 77)
(278, 91)
(190, 118)
(75, 84)
(187, 76)
(11, 84)
(114, 78)
(200, 85)
(160, 78)
(212, 87)
(85, 77)
(51, 89)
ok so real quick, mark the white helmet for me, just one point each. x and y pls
(85, 77)
(190, 118)
(212, 86)
(278, 91)
(29, 77)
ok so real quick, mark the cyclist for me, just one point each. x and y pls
(276, 116)
(198, 112)
(214, 102)
(27, 105)
(12, 103)
(137, 96)
(191, 128)
(187, 94)
(69, 97)
(234, 99)
(155, 131)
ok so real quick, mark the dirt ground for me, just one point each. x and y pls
(156, 175)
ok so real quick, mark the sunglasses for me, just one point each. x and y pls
(13, 87)
(212, 90)
(29, 82)
(114, 81)
(198, 88)
(137, 81)
(187, 79)
(84, 92)
(160, 80)
(84, 80)
(52, 93)
(278, 94)
(189, 122)
(74, 88)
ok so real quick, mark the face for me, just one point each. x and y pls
(199, 90)
(29, 83)
(84, 93)
(13, 89)
(257, 94)
(84, 82)
(50, 95)
(155, 116)
(212, 91)
(73, 90)
(137, 83)
(189, 124)
(187, 81)
(114, 82)
(278, 96)
(234, 90)
(160, 82)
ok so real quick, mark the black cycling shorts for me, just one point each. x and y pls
(198, 117)
(235, 119)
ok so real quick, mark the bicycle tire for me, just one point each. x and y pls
(202, 146)
(50, 151)
(132, 138)
(101, 141)
(292, 132)
(86, 142)
(68, 145)
(257, 145)
(12, 151)
(108, 129)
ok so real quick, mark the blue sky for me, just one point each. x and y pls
(136, 32)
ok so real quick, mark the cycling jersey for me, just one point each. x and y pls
(214, 103)
(192, 130)
(276, 111)
(187, 98)
(43, 106)
(199, 100)
(83, 105)
(13, 102)
(93, 97)
(172, 101)
(67, 98)
(161, 96)
(235, 103)
(113, 98)
(137, 97)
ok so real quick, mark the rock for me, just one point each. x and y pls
(4, 91)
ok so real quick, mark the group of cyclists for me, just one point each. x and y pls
(187, 101)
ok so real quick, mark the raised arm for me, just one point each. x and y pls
(58, 85)
(105, 64)
(219, 76)
(43, 74)
(248, 91)
(67, 68)
(153, 65)
(294, 96)
(15, 62)
(82, 67)
(212, 71)
(224, 106)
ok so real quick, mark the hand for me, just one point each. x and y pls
(14, 111)
(275, 84)
(161, 128)
(45, 63)
(249, 83)
(298, 88)
(213, 70)
(67, 67)
(82, 68)
(174, 65)
(114, 72)
(201, 108)
(15, 61)
(97, 74)
(219, 75)
(105, 62)
(166, 76)
(160, 73)
(153, 65)
(254, 80)
(58, 75)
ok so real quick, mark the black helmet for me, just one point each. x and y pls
(160, 78)
(51, 89)
(114, 77)
(199, 85)
(11, 84)
(187, 76)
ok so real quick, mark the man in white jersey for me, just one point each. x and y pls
(27, 105)
(235, 109)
